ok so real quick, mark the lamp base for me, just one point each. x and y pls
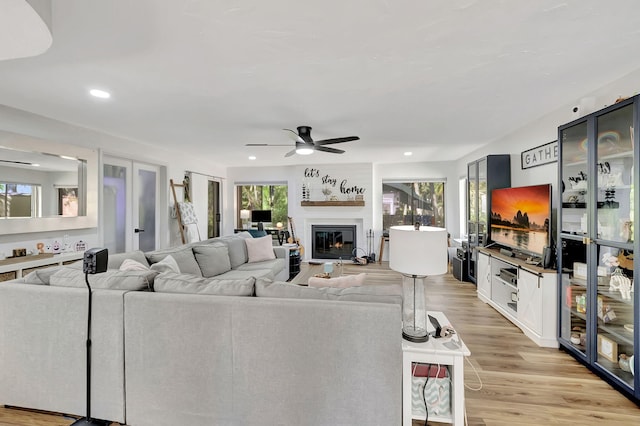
(415, 339)
(90, 422)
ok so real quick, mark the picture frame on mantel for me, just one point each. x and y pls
(540, 155)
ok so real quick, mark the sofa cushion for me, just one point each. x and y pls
(391, 293)
(236, 274)
(111, 279)
(260, 249)
(168, 264)
(170, 282)
(274, 265)
(343, 281)
(115, 260)
(183, 255)
(213, 259)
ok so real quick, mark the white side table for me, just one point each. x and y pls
(449, 351)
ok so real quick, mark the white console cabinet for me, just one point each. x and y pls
(524, 294)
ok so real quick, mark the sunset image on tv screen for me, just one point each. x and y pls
(520, 217)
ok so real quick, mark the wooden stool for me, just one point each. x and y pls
(383, 239)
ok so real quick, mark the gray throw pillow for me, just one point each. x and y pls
(41, 276)
(116, 259)
(237, 250)
(213, 259)
(183, 256)
(169, 282)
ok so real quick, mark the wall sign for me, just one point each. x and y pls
(543, 154)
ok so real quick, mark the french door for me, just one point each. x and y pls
(130, 205)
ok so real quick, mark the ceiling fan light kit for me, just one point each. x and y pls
(305, 145)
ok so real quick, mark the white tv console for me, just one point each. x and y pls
(529, 300)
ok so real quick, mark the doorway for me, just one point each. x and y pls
(130, 219)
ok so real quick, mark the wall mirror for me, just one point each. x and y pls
(45, 185)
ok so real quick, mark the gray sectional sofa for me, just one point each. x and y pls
(222, 347)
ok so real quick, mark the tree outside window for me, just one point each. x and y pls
(405, 203)
(264, 197)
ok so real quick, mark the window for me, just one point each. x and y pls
(264, 197)
(19, 200)
(405, 203)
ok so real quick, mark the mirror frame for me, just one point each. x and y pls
(54, 223)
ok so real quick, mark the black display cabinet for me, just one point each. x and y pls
(598, 192)
(483, 176)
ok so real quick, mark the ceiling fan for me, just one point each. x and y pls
(305, 145)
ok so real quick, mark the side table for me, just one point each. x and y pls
(445, 351)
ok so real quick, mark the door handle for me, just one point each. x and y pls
(137, 230)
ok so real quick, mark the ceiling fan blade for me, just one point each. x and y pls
(290, 153)
(327, 149)
(294, 135)
(266, 144)
(337, 140)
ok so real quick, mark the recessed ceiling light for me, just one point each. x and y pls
(35, 164)
(99, 93)
(252, 157)
(408, 154)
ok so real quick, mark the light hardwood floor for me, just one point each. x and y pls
(522, 384)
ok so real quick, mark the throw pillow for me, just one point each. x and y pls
(115, 260)
(183, 255)
(168, 264)
(170, 282)
(213, 259)
(132, 265)
(40, 276)
(260, 249)
(339, 282)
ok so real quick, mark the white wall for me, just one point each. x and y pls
(174, 163)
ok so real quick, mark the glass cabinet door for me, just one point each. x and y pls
(614, 229)
(472, 194)
(483, 201)
(574, 295)
(574, 179)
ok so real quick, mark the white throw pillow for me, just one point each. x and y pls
(133, 265)
(168, 264)
(339, 282)
(260, 249)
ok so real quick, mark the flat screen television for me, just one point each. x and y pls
(520, 218)
(261, 216)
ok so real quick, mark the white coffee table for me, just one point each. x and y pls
(449, 351)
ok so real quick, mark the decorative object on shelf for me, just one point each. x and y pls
(40, 247)
(608, 348)
(244, 217)
(19, 252)
(623, 362)
(605, 311)
(327, 192)
(618, 280)
(333, 198)
(359, 197)
(416, 255)
(581, 303)
(81, 246)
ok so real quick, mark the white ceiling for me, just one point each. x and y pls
(439, 78)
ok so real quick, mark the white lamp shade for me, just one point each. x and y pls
(245, 214)
(421, 253)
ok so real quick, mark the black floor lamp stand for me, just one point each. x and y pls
(95, 261)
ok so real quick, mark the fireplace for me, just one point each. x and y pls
(333, 241)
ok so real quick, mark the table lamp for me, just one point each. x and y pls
(244, 216)
(416, 252)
